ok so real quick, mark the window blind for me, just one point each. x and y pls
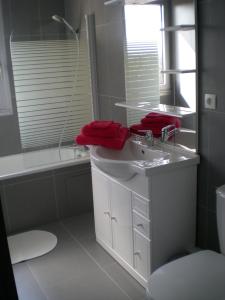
(47, 92)
(141, 76)
(141, 57)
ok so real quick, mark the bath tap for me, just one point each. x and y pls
(149, 138)
(168, 132)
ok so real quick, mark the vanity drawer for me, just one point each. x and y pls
(141, 224)
(140, 204)
(141, 255)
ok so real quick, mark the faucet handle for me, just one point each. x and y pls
(149, 137)
(149, 134)
(168, 131)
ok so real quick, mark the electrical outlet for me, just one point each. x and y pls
(210, 101)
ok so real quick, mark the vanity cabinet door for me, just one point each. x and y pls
(101, 194)
(122, 222)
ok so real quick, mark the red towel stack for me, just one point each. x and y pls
(154, 122)
(108, 134)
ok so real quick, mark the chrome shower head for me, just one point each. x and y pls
(58, 19)
(63, 21)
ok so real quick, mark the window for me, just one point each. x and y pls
(163, 53)
(144, 55)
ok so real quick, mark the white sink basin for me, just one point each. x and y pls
(138, 158)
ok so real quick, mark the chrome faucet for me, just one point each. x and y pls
(149, 138)
(146, 137)
(168, 132)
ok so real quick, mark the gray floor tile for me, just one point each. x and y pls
(82, 227)
(126, 282)
(27, 287)
(68, 273)
(97, 252)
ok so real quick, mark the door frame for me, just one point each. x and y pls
(7, 280)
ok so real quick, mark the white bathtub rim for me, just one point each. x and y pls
(13, 166)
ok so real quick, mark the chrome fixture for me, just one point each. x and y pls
(149, 138)
(75, 35)
(63, 21)
(168, 132)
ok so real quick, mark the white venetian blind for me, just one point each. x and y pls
(47, 92)
(141, 57)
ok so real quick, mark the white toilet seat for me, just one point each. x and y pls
(199, 276)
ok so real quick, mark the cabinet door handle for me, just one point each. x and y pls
(137, 253)
(107, 213)
(114, 219)
(140, 225)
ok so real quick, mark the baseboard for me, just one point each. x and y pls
(123, 263)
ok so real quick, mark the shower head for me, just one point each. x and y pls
(63, 21)
(58, 19)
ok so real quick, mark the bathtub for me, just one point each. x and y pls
(42, 160)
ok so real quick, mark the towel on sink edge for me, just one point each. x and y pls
(112, 143)
(161, 120)
(105, 129)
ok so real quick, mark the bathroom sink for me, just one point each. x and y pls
(137, 158)
(131, 151)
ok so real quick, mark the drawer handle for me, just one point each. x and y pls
(107, 213)
(137, 253)
(114, 219)
(140, 225)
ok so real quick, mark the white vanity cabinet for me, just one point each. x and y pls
(102, 207)
(113, 215)
(145, 221)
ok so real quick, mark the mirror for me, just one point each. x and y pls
(160, 61)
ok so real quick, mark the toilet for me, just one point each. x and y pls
(198, 276)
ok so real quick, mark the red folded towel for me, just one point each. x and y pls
(112, 143)
(106, 129)
(101, 124)
(154, 115)
(155, 118)
(141, 129)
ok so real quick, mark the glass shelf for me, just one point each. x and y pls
(176, 111)
(176, 71)
(179, 28)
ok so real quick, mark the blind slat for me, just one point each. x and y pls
(47, 94)
(141, 75)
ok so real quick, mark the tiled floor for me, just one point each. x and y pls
(77, 269)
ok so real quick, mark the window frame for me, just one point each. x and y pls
(165, 88)
(6, 107)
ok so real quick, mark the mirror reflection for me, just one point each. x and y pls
(160, 60)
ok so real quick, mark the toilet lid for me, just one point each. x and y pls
(199, 276)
